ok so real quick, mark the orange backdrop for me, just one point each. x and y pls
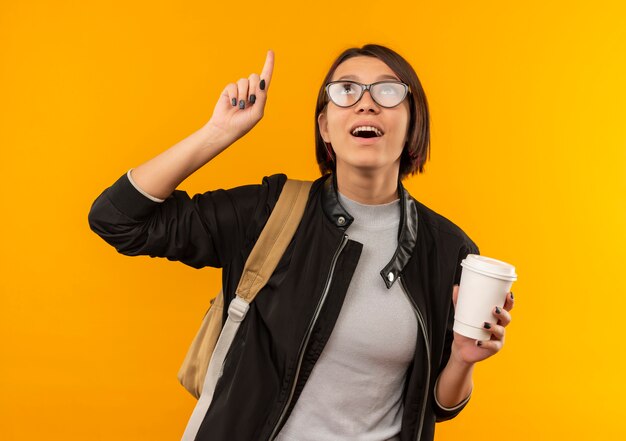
(528, 104)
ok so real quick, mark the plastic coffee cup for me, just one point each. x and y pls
(485, 283)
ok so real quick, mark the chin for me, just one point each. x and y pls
(365, 166)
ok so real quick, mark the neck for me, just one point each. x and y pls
(368, 188)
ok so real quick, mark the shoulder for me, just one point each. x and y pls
(259, 197)
(271, 185)
(269, 190)
(439, 225)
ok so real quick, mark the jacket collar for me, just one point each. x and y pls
(407, 231)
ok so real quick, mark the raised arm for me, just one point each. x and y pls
(143, 214)
(239, 108)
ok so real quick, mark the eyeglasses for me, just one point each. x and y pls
(387, 94)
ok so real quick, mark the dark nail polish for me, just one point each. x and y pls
(242, 104)
(479, 343)
(234, 101)
(262, 84)
(252, 98)
(498, 311)
(511, 295)
(487, 325)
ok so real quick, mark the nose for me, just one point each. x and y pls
(367, 104)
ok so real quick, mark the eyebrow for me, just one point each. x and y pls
(381, 77)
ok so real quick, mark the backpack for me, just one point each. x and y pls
(204, 361)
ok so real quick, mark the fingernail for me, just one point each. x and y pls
(234, 101)
(479, 343)
(511, 295)
(242, 104)
(487, 325)
(252, 98)
(498, 310)
(262, 84)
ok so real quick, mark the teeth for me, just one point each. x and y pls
(367, 129)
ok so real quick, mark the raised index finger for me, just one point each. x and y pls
(268, 68)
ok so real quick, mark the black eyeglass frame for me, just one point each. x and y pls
(364, 87)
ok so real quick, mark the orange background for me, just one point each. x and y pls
(528, 103)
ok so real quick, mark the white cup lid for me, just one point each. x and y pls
(489, 267)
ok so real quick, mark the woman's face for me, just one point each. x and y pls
(376, 154)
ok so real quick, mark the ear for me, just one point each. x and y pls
(323, 123)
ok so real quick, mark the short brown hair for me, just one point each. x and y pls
(417, 150)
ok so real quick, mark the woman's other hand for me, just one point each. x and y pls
(241, 105)
(469, 350)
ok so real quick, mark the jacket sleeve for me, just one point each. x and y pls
(445, 413)
(205, 230)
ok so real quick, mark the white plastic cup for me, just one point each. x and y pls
(484, 285)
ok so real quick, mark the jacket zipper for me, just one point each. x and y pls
(307, 336)
(422, 323)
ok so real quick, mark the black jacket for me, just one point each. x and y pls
(293, 316)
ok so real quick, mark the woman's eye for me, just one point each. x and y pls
(347, 89)
(388, 90)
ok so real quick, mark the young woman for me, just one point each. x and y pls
(351, 338)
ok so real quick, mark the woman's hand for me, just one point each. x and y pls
(455, 381)
(468, 350)
(241, 105)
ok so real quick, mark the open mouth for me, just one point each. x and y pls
(366, 132)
